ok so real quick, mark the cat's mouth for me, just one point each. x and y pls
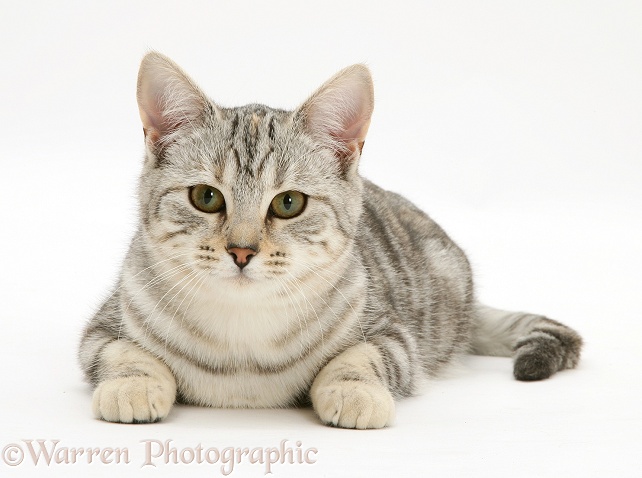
(241, 278)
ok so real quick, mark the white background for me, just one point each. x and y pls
(516, 125)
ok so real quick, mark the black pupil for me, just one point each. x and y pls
(287, 201)
(208, 196)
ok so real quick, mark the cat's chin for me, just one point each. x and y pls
(241, 279)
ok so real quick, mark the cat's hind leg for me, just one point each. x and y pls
(539, 346)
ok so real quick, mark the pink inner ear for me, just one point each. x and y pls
(150, 112)
(156, 125)
(167, 98)
(341, 109)
(355, 132)
(157, 122)
(151, 125)
(353, 136)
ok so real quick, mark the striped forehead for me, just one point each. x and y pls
(250, 138)
(254, 145)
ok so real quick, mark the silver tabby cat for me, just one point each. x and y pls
(266, 272)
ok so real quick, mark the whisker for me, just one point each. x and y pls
(328, 270)
(342, 295)
(148, 319)
(198, 276)
(154, 281)
(292, 301)
(160, 277)
(200, 283)
(122, 278)
(311, 306)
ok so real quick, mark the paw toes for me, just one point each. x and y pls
(352, 405)
(132, 400)
(359, 405)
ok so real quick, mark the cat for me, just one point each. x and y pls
(266, 272)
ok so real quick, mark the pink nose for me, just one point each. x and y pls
(241, 255)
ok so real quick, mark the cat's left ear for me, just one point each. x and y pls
(338, 114)
(168, 100)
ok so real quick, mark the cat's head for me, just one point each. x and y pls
(251, 195)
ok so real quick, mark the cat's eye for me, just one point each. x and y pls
(206, 198)
(288, 204)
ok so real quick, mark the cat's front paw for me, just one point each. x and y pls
(354, 404)
(133, 399)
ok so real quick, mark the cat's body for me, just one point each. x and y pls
(303, 282)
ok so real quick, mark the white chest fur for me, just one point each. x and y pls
(228, 350)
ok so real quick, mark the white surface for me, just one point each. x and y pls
(517, 125)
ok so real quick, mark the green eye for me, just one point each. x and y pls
(288, 204)
(206, 198)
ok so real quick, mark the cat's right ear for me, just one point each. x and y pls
(168, 100)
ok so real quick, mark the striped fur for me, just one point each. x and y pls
(348, 305)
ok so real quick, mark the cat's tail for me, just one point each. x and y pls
(540, 346)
